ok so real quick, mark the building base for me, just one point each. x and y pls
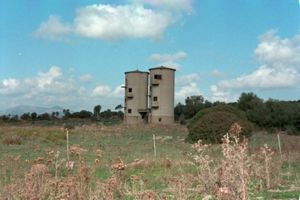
(134, 120)
(161, 119)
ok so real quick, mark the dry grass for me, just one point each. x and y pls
(123, 158)
(12, 140)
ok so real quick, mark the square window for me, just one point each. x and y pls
(159, 119)
(129, 110)
(157, 76)
(129, 89)
(155, 98)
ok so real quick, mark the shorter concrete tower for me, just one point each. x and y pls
(162, 81)
(136, 97)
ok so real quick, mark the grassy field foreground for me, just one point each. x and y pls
(118, 162)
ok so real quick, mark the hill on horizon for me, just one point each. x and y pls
(21, 109)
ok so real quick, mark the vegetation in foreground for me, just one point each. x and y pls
(118, 162)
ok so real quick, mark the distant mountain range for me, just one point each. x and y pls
(19, 110)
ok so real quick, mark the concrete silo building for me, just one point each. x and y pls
(136, 97)
(162, 86)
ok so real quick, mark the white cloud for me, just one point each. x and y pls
(118, 91)
(218, 94)
(217, 73)
(86, 78)
(169, 60)
(115, 22)
(106, 91)
(187, 85)
(110, 22)
(54, 28)
(277, 52)
(82, 91)
(101, 91)
(187, 79)
(46, 79)
(9, 86)
(263, 78)
(280, 58)
(48, 82)
(52, 88)
(187, 90)
(177, 5)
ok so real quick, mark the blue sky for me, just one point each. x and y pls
(74, 53)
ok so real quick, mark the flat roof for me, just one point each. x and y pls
(136, 71)
(162, 67)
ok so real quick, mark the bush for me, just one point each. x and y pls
(12, 140)
(211, 124)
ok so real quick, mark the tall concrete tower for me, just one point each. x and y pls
(136, 97)
(162, 81)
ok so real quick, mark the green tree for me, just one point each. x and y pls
(83, 114)
(119, 107)
(179, 111)
(44, 116)
(97, 110)
(254, 107)
(33, 116)
(25, 116)
(67, 113)
(193, 104)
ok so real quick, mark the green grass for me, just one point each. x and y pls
(281, 195)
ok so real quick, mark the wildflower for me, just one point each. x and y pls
(96, 161)
(70, 165)
(17, 158)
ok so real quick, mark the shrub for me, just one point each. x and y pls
(12, 140)
(211, 124)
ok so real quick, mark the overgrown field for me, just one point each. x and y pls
(118, 162)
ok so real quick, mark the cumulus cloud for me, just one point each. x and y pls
(53, 87)
(169, 60)
(86, 78)
(187, 85)
(187, 90)
(219, 94)
(118, 91)
(264, 78)
(9, 86)
(177, 5)
(111, 22)
(114, 22)
(101, 91)
(106, 91)
(280, 64)
(278, 52)
(217, 73)
(187, 79)
(54, 28)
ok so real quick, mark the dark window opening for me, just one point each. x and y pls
(157, 76)
(129, 110)
(155, 98)
(129, 89)
(159, 119)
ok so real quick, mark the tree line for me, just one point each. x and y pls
(271, 114)
(66, 114)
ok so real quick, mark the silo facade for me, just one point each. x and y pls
(162, 81)
(136, 97)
